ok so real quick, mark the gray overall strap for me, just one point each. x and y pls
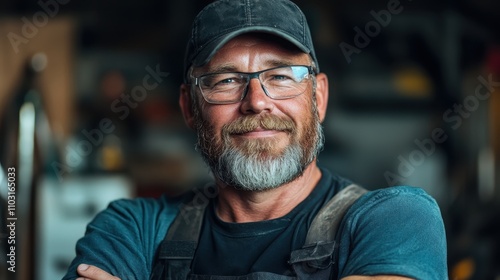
(316, 258)
(178, 248)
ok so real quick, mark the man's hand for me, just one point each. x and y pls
(90, 272)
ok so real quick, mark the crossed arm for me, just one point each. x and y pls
(89, 272)
(414, 212)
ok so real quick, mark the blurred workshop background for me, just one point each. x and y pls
(88, 114)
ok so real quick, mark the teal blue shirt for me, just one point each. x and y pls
(397, 230)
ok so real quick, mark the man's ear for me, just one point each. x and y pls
(186, 104)
(321, 95)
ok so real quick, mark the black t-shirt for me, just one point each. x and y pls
(232, 249)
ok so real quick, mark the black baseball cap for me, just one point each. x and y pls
(223, 20)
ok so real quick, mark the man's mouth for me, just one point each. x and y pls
(259, 132)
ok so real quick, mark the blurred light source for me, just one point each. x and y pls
(3, 183)
(486, 174)
(39, 62)
(464, 269)
(413, 83)
(26, 152)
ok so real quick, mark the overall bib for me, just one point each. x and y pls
(315, 260)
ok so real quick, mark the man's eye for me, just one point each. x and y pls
(280, 77)
(226, 81)
(219, 81)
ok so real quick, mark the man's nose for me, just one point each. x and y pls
(256, 101)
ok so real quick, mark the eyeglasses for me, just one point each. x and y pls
(282, 82)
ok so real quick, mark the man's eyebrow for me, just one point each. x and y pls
(224, 68)
(278, 63)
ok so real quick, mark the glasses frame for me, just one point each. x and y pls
(250, 75)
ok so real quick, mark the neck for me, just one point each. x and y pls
(241, 206)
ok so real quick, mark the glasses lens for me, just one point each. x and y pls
(222, 88)
(285, 82)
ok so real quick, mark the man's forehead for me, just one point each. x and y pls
(274, 51)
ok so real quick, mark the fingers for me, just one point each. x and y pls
(90, 272)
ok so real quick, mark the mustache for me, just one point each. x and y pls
(250, 123)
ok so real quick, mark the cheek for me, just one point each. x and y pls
(300, 111)
(217, 117)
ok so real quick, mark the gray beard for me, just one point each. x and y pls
(252, 173)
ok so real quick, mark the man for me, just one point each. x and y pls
(254, 95)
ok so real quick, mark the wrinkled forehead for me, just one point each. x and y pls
(274, 51)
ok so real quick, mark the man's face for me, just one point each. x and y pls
(258, 143)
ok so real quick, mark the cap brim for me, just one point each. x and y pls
(211, 48)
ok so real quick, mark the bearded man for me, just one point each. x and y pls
(255, 96)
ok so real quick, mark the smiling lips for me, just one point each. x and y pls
(260, 132)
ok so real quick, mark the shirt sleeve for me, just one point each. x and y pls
(123, 239)
(394, 231)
